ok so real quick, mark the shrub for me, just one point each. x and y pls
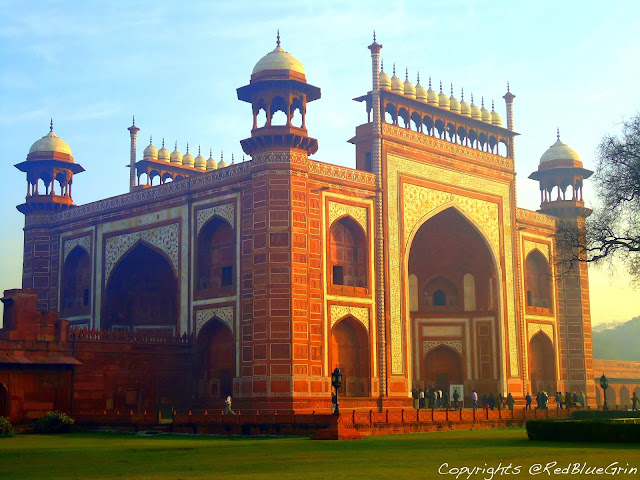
(6, 429)
(53, 422)
(583, 431)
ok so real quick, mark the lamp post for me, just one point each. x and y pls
(604, 383)
(336, 382)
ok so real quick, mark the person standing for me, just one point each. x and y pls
(227, 410)
(474, 397)
(421, 401)
(485, 402)
(528, 400)
(634, 401)
(492, 402)
(510, 401)
(456, 398)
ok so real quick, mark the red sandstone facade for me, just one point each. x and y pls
(415, 269)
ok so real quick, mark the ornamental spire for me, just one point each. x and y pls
(278, 38)
(51, 125)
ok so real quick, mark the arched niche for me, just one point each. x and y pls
(348, 254)
(542, 365)
(215, 259)
(4, 400)
(350, 353)
(446, 249)
(537, 280)
(442, 367)
(625, 398)
(215, 360)
(76, 283)
(142, 292)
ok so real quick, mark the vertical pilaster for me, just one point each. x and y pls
(376, 155)
(133, 131)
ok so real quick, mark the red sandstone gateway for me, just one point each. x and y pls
(257, 278)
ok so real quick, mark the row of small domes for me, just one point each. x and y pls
(441, 99)
(175, 157)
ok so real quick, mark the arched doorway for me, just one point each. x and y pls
(350, 353)
(442, 367)
(611, 396)
(142, 292)
(4, 401)
(76, 283)
(542, 369)
(215, 360)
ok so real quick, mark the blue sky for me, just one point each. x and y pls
(175, 65)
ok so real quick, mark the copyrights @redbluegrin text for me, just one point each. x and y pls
(489, 472)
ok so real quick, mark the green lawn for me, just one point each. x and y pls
(417, 456)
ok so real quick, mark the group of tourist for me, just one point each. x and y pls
(566, 400)
(434, 398)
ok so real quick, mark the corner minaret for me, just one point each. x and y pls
(560, 167)
(278, 84)
(49, 161)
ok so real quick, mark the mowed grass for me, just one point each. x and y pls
(416, 456)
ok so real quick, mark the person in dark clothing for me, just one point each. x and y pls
(528, 400)
(492, 402)
(575, 399)
(538, 400)
(456, 398)
(510, 401)
(421, 400)
(485, 402)
(445, 400)
(568, 400)
(500, 402)
(634, 402)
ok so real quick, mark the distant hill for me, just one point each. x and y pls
(620, 342)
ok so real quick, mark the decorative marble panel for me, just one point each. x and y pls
(486, 216)
(84, 242)
(442, 331)
(359, 214)
(225, 211)
(225, 314)
(533, 328)
(429, 345)
(338, 312)
(165, 238)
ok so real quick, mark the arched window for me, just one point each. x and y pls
(216, 259)
(76, 283)
(348, 254)
(440, 292)
(537, 280)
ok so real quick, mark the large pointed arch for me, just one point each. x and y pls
(142, 291)
(488, 280)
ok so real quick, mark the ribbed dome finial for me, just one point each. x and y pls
(452, 89)
(278, 38)
(381, 65)
(406, 74)
(394, 68)
(558, 132)
(508, 86)
(150, 139)
(187, 147)
(462, 94)
(429, 81)
(233, 160)
(440, 85)
(162, 142)
(134, 120)
(374, 34)
(483, 101)
(51, 125)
